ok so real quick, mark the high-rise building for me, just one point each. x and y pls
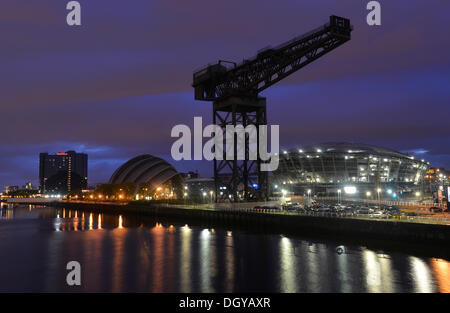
(62, 172)
(9, 189)
(28, 186)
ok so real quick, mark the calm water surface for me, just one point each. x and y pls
(130, 254)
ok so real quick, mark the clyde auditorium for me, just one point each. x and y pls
(149, 170)
(330, 169)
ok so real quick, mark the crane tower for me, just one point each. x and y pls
(234, 90)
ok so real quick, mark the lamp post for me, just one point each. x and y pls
(368, 194)
(283, 196)
(378, 195)
(418, 194)
(339, 196)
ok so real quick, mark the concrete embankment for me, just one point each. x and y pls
(384, 230)
(30, 200)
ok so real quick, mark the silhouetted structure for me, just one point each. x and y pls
(234, 91)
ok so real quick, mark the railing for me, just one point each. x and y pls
(426, 218)
(383, 202)
(421, 216)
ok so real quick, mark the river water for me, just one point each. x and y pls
(121, 253)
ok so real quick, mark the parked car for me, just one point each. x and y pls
(365, 211)
(337, 209)
(292, 207)
(377, 213)
(323, 209)
(435, 209)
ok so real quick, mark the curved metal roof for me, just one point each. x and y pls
(345, 147)
(144, 169)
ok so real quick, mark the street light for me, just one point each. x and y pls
(339, 196)
(368, 194)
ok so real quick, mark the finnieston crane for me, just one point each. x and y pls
(234, 91)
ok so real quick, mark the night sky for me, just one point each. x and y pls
(115, 86)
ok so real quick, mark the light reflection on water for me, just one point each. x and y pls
(126, 253)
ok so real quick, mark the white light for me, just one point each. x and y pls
(300, 150)
(389, 191)
(350, 190)
(319, 150)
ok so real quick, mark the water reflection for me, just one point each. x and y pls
(287, 266)
(186, 260)
(421, 275)
(441, 270)
(229, 262)
(343, 272)
(130, 253)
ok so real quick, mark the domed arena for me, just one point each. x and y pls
(147, 170)
(331, 168)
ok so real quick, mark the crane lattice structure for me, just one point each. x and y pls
(234, 90)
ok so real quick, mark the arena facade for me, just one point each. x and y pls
(349, 170)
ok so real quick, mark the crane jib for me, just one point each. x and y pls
(270, 65)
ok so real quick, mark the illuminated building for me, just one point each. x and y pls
(350, 169)
(153, 177)
(62, 172)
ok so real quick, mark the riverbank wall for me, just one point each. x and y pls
(385, 230)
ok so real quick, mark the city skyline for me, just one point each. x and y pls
(392, 97)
